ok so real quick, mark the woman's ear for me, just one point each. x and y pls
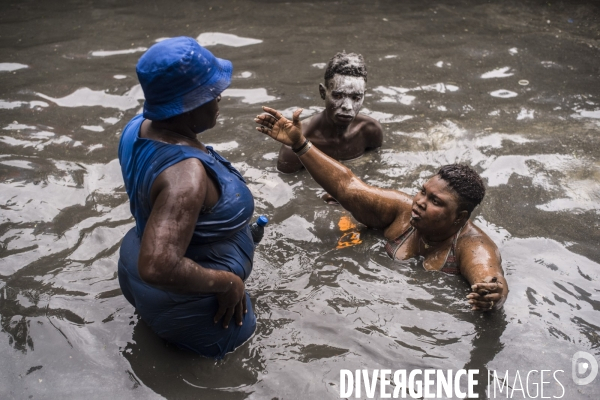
(462, 217)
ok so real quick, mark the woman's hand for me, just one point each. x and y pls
(280, 128)
(232, 302)
(488, 295)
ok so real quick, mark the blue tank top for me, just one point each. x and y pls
(142, 160)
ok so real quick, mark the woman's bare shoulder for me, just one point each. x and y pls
(472, 238)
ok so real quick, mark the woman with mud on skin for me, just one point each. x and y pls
(184, 264)
(433, 224)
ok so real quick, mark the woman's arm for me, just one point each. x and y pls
(481, 265)
(374, 207)
(179, 193)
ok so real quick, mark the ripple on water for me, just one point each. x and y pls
(385, 118)
(9, 105)
(9, 67)
(215, 38)
(86, 97)
(108, 53)
(393, 94)
(250, 96)
(498, 73)
(267, 187)
(93, 128)
(225, 146)
(244, 75)
(503, 94)
(295, 228)
(18, 164)
(525, 114)
(586, 114)
(306, 112)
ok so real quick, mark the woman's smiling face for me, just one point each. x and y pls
(435, 208)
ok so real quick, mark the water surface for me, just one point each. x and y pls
(446, 83)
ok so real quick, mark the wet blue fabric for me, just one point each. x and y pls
(142, 160)
(221, 240)
(178, 75)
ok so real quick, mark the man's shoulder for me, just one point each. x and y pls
(368, 123)
(312, 126)
(370, 130)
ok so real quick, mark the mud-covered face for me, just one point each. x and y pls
(343, 97)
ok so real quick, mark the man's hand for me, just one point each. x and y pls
(280, 128)
(232, 302)
(488, 295)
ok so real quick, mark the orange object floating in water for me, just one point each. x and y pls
(350, 237)
(345, 223)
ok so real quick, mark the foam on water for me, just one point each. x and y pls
(9, 67)
(214, 38)
(498, 73)
(250, 96)
(108, 53)
(86, 97)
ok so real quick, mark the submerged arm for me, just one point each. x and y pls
(179, 194)
(481, 265)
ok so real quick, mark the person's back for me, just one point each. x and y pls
(339, 131)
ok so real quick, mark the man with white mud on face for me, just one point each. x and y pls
(339, 131)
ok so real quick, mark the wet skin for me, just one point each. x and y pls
(433, 212)
(339, 131)
(177, 196)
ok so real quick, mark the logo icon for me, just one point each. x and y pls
(580, 368)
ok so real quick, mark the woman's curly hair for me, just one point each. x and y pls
(467, 184)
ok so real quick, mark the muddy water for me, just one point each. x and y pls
(510, 88)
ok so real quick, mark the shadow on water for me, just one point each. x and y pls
(175, 373)
(486, 345)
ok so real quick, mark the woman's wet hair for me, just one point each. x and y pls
(350, 64)
(466, 182)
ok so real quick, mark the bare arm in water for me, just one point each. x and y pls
(178, 194)
(374, 207)
(390, 211)
(481, 265)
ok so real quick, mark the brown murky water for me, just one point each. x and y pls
(508, 87)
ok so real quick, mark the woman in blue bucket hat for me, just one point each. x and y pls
(184, 264)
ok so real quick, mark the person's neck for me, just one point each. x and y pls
(434, 240)
(333, 130)
(174, 130)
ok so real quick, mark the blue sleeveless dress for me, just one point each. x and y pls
(221, 240)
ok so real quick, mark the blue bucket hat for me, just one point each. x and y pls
(178, 75)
